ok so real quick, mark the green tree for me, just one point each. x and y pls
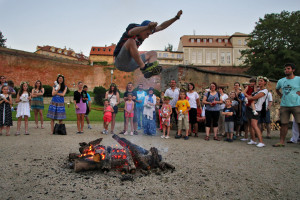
(2, 40)
(274, 41)
(169, 48)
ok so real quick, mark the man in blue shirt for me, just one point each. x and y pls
(141, 94)
(290, 100)
(127, 57)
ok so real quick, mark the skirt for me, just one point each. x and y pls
(57, 108)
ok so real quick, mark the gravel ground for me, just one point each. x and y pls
(32, 167)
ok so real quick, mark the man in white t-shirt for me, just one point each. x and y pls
(173, 92)
(221, 123)
(267, 119)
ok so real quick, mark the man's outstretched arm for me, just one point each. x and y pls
(167, 23)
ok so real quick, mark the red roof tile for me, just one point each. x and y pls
(104, 51)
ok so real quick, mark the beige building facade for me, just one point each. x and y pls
(211, 50)
(170, 57)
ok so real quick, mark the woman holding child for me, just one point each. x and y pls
(260, 98)
(113, 97)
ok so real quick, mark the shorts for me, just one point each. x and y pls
(185, 121)
(193, 115)
(285, 113)
(116, 109)
(229, 127)
(256, 117)
(129, 114)
(87, 110)
(266, 119)
(107, 118)
(125, 62)
(249, 113)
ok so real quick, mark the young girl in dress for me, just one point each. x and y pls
(166, 111)
(129, 113)
(80, 98)
(107, 117)
(57, 109)
(37, 102)
(23, 109)
(5, 110)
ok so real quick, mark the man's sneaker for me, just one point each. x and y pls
(244, 139)
(103, 131)
(106, 132)
(131, 133)
(151, 69)
(260, 145)
(89, 126)
(125, 133)
(135, 132)
(167, 137)
(252, 142)
(162, 136)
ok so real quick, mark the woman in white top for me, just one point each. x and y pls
(260, 98)
(113, 97)
(194, 101)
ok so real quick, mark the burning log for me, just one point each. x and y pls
(125, 143)
(131, 165)
(85, 147)
(135, 152)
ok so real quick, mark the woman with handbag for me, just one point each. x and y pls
(57, 109)
(80, 98)
(113, 97)
(260, 97)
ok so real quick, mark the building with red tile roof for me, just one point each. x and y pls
(102, 54)
(61, 53)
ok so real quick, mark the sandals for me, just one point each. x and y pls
(17, 133)
(216, 138)
(42, 127)
(278, 145)
(206, 138)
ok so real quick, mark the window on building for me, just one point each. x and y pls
(219, 40)
(228, 58)
(93, 49)
(104, 49)
(192, 40)
(173, 56)
(239, 42)
(208, 57)
(222, 61)
(59, 51)
(193, 58)
(159, 54)
(98, 49)
(66, 53)
(198, 40)
(165, 55)
(199, 57)
(210, 40)
(109, 49)
(226, 40)
(179, 56)
(204, 40)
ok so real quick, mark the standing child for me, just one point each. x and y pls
(129, 114)
(107, 117)
(165, 113)
(228, 111)
(37, 102)
(5, 110)
(23, 109)
(182, 110)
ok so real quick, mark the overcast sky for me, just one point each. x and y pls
(81, 24)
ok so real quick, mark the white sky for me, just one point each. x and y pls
(81, 24)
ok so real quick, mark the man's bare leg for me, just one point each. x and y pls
(132, 48)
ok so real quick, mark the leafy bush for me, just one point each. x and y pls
(104, 63)
(99, 95)
(48, 90)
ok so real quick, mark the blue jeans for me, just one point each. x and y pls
(139, 111)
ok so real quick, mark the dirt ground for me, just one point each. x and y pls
(32, 167)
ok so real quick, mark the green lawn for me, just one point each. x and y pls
(94, 115)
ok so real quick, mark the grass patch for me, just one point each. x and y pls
(94, 115)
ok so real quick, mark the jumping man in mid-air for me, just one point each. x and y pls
(127, 57)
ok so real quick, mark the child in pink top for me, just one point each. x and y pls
(166, 111)
(107, 117)
(129, 113)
